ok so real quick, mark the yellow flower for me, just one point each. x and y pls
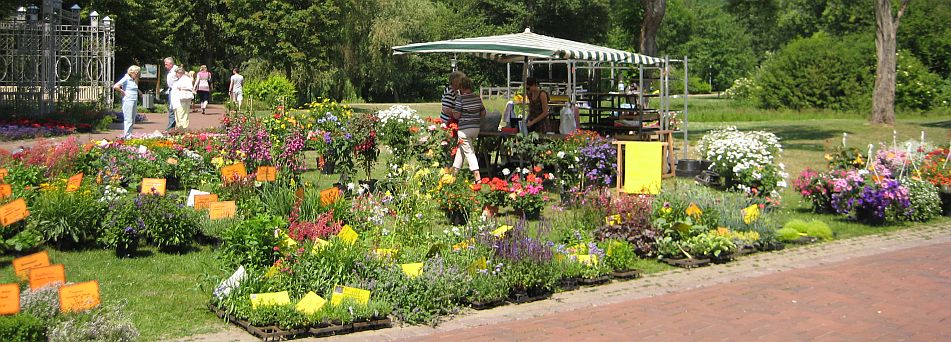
(828, 157)
(693, 210)
(750, 213)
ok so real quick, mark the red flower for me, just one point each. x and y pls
(537, 168)
(484, 180)
(476, 187)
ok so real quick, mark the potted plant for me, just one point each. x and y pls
(398, 125)
(487, 289)
(936, 169)
(457, 198)
(525, 193)
(621, 259)
(363, 130)
(493, 194)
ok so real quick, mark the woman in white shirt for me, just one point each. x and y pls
(183, 92)
(128, 86)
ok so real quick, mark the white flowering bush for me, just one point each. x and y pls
(398, 125)
(747, 161)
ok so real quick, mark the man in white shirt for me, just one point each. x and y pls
(170, 80)
(236, 88)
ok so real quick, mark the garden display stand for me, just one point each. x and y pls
(628, 274)
(480, 305)
(528, 297)
(687, 263)
(276, 333)
(595, 281)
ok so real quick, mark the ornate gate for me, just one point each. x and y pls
(50, 56)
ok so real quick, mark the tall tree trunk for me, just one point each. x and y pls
(886, 30)
(653, 15)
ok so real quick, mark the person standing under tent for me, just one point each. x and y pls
(182, 95)
(170, 79)
(203, 87)
(128, 86)
(236, 88)
(469, 111)
(449, 96)
(537, 107)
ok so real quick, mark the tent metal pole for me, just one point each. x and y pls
(508, 80)
(686, 113)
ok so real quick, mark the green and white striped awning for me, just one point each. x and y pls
(515, 47)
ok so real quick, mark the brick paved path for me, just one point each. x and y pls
(153, 122)
(894, 286)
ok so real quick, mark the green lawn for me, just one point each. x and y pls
(165, 293)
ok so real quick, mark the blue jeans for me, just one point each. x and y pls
(128, 114)
(171, 113)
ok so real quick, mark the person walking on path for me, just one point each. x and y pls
(182, 95)
(236, 88)
(128, 86)
(469, 111)
(203, 87)
(170, 79)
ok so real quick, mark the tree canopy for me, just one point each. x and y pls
(341, 48)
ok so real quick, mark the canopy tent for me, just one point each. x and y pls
(529, 48)
(517, 46)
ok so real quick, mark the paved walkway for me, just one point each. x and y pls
(892, 287)
(153, 122)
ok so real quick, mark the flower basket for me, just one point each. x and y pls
(533, 214)
(626, 274)
(128, 248)
(456, 217)
(945, 195)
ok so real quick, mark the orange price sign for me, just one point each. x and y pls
(23, 264)
(329, 196)
(74, 182)
(42, 276)
(202, 201)
(153, 185)
(9, 299)
(231, 173)
(219, 210)
(266, 174)
(6, 190)
(14, 211)
(3, 173)
(79, 297)
(299, 193)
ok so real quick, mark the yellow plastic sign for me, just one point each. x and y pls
(269, 299)
(345, 292)
(348, 235)
(13, 212)
(693, 210)
(385, 253)
(23, 264)
(153, 185)
(643, 165)
(74, 182)
(500, 231)
(310, 304)
(319, 244)
(9, 299)
(587, 259)
(412, 270)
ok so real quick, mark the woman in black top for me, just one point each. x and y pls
(537, 107)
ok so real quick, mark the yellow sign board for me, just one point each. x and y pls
(345, 292)
(269, 299)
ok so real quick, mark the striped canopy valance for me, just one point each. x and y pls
(515, 47)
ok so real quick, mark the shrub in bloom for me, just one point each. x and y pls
(746, 160)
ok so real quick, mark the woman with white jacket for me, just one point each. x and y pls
(183, 92)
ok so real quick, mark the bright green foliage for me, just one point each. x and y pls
(787, 234)
(22, 328)
(819, 229)
(925, 32)
(272, 91)
(915, 87)
(620, 256)
(924, 198)
(67, 217)
(819, 72)
(252, 242)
